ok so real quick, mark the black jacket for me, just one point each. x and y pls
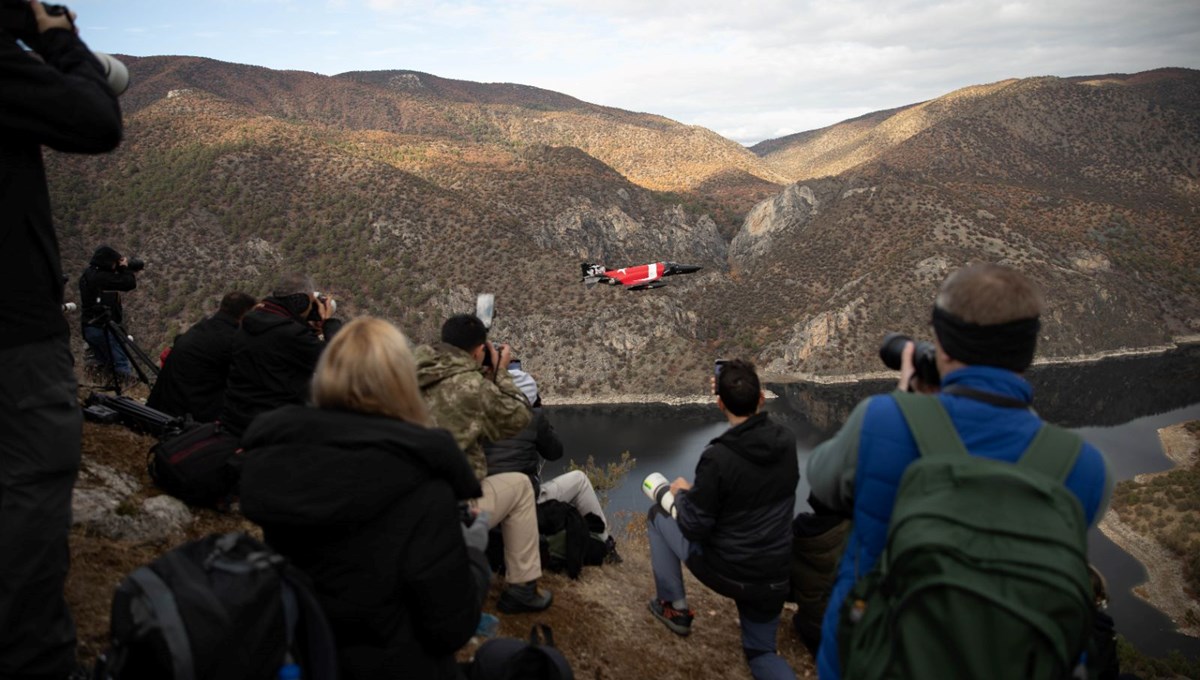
(274, 356)
(523, 452)
(193, 377)
(367, 507)
(100, 288)
(65, 104)
(740, 506)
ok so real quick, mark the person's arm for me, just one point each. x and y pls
(64, 103)
(108, 281)
(505, 412)
(549, 446)
(697, 505)
(832, 464)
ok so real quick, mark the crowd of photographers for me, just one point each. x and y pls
(379, 469)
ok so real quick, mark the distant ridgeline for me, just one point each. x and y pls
(405, 194)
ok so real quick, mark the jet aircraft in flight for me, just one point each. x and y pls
(641, 277)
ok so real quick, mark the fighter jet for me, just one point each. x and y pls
(641, 277)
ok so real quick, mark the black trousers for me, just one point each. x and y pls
(41, 428)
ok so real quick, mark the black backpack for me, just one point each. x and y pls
(514, 659)
(199, 465)
(225, 607)
(566, 535)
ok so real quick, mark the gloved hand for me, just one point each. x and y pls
(476, 535)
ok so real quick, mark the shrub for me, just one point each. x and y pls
(605, 478)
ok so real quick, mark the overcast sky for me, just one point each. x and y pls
(749, 70)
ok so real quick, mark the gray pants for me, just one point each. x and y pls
(573, 488)
(41, 428)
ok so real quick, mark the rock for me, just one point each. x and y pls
(105, 502)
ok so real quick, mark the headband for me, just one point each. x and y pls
(1007, 345)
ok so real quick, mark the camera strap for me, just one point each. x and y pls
(986, 397)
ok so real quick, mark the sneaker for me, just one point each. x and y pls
(524, 597)
(610, 554)
(679, 622)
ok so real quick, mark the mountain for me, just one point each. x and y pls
(405, 194)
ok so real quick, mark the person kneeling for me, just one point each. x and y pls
(733, 524)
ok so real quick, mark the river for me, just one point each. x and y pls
(1116, 404)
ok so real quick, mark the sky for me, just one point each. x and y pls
(749, 70)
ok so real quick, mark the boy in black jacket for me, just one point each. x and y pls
(733, 524)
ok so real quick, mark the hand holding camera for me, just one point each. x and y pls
(913, 360)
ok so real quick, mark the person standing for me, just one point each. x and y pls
(62, 101)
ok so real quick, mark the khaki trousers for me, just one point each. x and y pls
(508, 500)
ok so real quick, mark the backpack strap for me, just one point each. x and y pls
(1052, 452)
(930, 425)
(169, 620)
(320, 662)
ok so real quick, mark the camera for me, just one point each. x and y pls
(314, 313)
(16, 17)
(658, 489)
(134, 264)
(924, 357)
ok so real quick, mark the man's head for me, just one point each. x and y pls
(466, 332)
(105, 257)
(738, 390)
(294, 292)
(987, 314)
(236, 304)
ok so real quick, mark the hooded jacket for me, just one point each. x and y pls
(739, 509)
(524, 452)
(193, 377)
(100, 288)
(274, 356)
(366, 506)
(473, 408)
(63, 103)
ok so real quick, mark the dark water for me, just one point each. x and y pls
(1117, 405)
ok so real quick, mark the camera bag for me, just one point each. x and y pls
(224, 607)
(515, 659)
(199, 466)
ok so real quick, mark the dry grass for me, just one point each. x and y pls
(600, 621)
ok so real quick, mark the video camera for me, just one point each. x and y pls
(924, 357)
(17, 19)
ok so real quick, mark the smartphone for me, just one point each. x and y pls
(717, 366)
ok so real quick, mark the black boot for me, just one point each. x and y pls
(524, 597)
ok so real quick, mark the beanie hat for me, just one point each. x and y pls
(525, 383)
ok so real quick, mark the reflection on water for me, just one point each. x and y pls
(1117, 405)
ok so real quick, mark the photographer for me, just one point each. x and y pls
(275, 351)
(986, 319)
(57, 97)
(107, 275)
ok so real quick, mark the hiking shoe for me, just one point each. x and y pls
(679, 622)
(610, 552)
(524, 597)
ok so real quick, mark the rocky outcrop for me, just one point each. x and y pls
(108, 502)
(610, 235)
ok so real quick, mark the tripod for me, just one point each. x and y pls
(136, 356)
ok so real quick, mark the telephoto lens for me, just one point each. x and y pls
(924, 357)
(658, 489)
(134, 264)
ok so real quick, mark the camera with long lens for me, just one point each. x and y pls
(658, 489)
(924, 357)
(17, 19)
(135, 264)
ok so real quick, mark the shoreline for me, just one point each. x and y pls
(1163, 588)
(1177, 343)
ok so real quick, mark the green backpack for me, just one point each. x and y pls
(985, 571)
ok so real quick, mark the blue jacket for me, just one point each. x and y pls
(858, 472)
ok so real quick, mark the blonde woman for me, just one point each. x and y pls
(360, 493)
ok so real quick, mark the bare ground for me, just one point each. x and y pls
(600, 621)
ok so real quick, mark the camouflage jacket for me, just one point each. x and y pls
(473, 408)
